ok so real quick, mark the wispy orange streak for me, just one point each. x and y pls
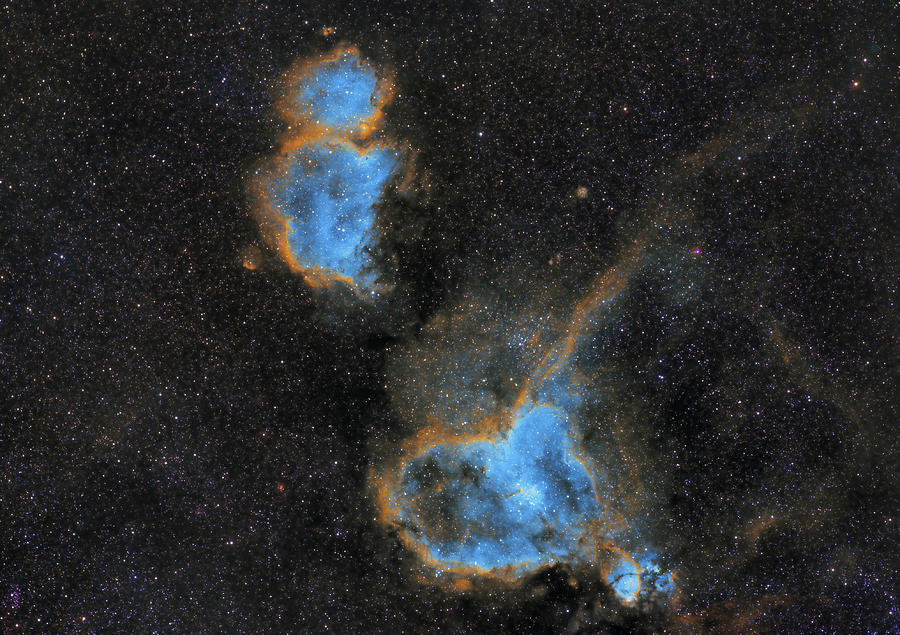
(604, 288)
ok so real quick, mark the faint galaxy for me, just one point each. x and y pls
(485, 317)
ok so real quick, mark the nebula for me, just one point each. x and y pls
(316, 199)
(496, 491)
(521, 500)
(518, 418)
(625, 578)
(526, 452)
(337, 93)
(327, 196)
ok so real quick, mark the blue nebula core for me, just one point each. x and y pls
(328, 194)
(522, 500)
(625, 580)
(338, 94)
(629, 578)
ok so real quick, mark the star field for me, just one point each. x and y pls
(624, 358)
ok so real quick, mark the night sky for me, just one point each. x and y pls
(476, 317)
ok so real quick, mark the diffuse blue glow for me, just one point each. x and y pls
(338, 94)
(625, 580)
(328, 195)
(628, 579)
(522, 500)
(322, 192)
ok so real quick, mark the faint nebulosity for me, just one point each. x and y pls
(483, 317)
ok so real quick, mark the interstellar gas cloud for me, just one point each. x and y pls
(315, 200)
(478, 317)
(529, 441)
(491, 488)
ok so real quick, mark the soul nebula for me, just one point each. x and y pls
(316, 199)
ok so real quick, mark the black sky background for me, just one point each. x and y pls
(184, 444)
